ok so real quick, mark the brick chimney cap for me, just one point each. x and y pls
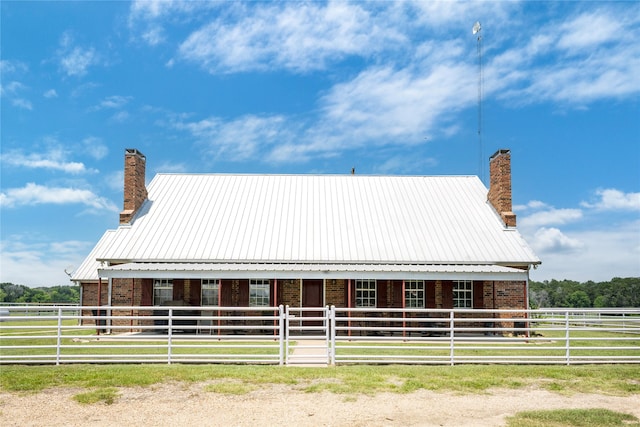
(500, 152)
(133, 152)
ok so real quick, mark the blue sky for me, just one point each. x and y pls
(315, 87)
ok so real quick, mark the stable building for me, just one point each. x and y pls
(256, 241)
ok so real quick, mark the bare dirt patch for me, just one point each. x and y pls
(191, 404)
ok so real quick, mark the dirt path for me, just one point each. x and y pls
(278, 405)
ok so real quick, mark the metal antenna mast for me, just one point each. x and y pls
(476, 31)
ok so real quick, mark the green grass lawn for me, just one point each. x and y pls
(608, 379)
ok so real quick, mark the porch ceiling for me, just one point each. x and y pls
(313, 271)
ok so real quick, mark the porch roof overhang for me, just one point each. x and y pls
(313, 271)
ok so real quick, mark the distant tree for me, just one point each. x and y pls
(579, 299)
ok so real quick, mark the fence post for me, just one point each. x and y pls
(169, 335)
(451, 337)
(59, 337)
(281, 328)
(332, 341)
(286, 339)
(566, 337)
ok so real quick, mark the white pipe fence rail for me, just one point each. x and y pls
(317, 336)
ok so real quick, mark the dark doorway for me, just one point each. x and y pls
(312, 296)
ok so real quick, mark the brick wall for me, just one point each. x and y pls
(335, 292)
(500, 186)
(289, 292)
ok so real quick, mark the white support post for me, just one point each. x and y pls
(286, 340)
(451, 338)
(169, 335)
(567, 338)
(59, 337)
(282, 332)
(332, 342)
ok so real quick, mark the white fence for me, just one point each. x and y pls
(323, 335)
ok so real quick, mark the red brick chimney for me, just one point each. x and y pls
(135, 191)
(500, 186)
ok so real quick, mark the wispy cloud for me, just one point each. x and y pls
(34, 194)
(551, 217)
(95, 147)
(51, 93)
(299, 37)
(112, 102)
(612, 199)
(54, 159)
(25, 104)
(75, 60)
(240, 139)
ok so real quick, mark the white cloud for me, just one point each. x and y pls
(612, 199)
(551, 240)
(11, 88)
(22, 103)
(46, 260)
(120, 117)
(550, 217)
(54, 159)
(8, 66)
(238, 139)
(51, 93)
(75, 60)
(299, 37)
(112, 102)
(95, 147)
(33, 194)
(603, 254)
(592, 56)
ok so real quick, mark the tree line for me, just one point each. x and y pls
(618, 292)
(52, 295)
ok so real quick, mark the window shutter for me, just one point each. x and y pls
(243, 300)
(272, 294)
(397, 294)
(447, 294)
(478, 294)
(381, 293)
(225, 290)
(195, 292)
(146, 297)
(430, 293)
(178, 289)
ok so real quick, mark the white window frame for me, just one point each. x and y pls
(256, 298)
(162, 291)
(463, 294)
(366, 293)
(210, 292)
(414, 294)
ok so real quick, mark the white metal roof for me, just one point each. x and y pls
(304, 271)
(317, 219)
(88, 270)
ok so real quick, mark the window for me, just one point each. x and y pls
(414, 294)
(162, 291)
(259, 293)
(210, 292)
(462, 294)
(365, 293)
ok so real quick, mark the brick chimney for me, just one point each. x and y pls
(500, 186)
(135, 191)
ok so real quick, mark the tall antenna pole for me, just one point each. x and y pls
(476, 31)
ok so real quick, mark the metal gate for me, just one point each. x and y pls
(307, 336)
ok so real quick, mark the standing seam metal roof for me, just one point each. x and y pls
(317, 218)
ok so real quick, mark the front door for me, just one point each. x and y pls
(312, 296)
